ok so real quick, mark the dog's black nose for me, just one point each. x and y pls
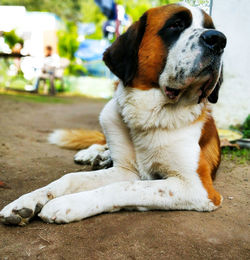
(214, 40)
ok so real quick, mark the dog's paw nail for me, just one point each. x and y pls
(79, 161)
(13, 220)
(24, 212)
(38, 208)
(96, 162)
(2, 219)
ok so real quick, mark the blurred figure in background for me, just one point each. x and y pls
(117, 21)
(17, 50)
(51, 62)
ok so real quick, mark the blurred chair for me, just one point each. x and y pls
(52, 71)
(52, 68)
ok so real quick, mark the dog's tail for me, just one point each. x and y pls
(76, 139)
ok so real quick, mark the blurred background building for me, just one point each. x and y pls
(38, 29)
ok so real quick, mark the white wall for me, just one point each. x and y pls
(232, 17)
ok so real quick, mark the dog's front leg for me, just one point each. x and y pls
(170, 194)
(20, 211)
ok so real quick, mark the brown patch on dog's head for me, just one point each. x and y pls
(153, 49)
(208, 22)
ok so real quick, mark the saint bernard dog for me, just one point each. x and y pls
(158, 129)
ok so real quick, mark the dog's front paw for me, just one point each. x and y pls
(97, 156)
(73, 207)
(20, 211)
(59, 210)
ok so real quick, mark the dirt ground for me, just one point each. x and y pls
(28, 162)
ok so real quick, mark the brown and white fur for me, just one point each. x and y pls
(158, 126)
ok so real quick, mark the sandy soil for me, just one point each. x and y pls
(28, 162)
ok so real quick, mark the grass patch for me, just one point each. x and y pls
(240, 156)
(33, 98)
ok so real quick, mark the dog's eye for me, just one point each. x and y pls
(176, 25)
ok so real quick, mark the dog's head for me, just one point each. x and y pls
(175, 48)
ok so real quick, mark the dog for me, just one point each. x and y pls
(158, 128)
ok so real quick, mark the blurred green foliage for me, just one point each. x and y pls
(67, 41)
(92, 14)
(67, 9)
(16, 81)
(11, 38)
(135, 8)
(244, 128)
(67, 46)
(75, 69)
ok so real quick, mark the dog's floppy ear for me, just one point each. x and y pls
(122, 56)
(213, 97)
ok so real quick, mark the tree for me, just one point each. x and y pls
(92, 14)
(67, 41)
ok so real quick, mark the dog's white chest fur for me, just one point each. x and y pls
(164, 137)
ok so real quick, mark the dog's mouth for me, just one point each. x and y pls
(202, 87)
(199, 86)
(206, 86)
(172, 93)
